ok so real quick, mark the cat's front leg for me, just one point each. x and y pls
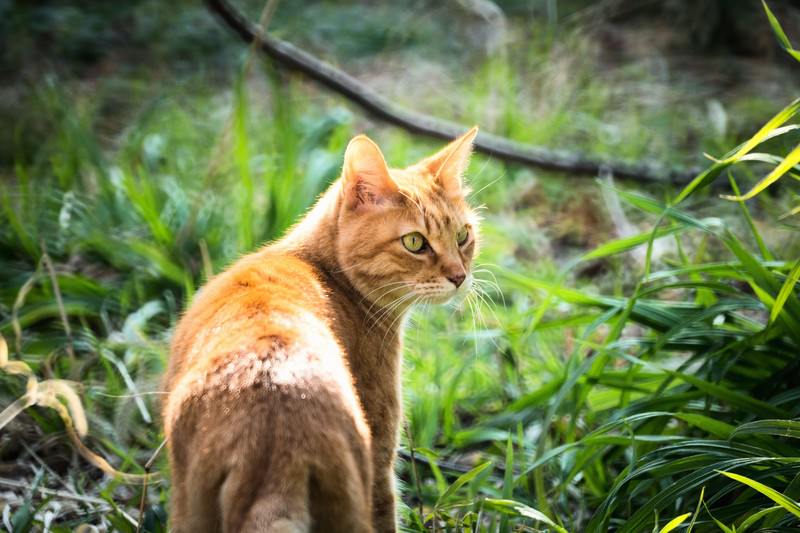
(384, 514)
(384, 454)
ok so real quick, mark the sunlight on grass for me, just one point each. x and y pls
(637, 382)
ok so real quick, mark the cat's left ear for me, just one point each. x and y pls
(449, 164)
(367, 182)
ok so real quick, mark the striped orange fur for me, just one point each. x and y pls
(284, 397)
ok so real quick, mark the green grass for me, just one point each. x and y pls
(659, 395)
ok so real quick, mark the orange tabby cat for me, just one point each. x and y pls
(284, 381)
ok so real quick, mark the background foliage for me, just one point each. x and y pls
(630, 361)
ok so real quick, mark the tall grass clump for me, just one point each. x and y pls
(670, 404)
(103, 240)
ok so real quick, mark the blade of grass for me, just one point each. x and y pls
(785, 292)
(461, 481)
(792, 159)
(778, 428)
(765, 253)
(787, 503)
(675, 522)
(779, 33)
(508, 480)
(712, 172)
(520, 509)
(697, 510)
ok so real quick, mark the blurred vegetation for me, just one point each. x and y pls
(627, 346)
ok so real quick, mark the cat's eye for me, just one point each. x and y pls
(462, 235)
(414, 242)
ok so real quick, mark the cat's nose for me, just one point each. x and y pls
(457, 279)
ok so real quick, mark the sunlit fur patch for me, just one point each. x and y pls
(372, 255)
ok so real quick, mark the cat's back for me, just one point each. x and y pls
(258, 385)
(267, 318)
(266, 296)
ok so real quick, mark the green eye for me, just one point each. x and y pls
(414, 242)
(461, 236)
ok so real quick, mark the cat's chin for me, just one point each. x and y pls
(439, 299)
(455, 297)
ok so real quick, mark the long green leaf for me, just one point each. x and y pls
(675, 522)
(777, 173)
(520, 509)
(779, 33)
(618, 246)
(461, 481)
(778, 428)
(755, 517)
(787, 503)
(785, 292)
(763, 134)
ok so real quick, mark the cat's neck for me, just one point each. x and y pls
(314, 237)
(314, 240)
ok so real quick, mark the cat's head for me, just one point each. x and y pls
(407, 235)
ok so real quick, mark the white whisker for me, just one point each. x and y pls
(487, 185)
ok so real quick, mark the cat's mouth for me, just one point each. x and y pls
(445, 293)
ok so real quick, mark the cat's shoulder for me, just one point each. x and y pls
(264, 270)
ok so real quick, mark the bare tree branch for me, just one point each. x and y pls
(331, 77)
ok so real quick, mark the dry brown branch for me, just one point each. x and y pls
(293, 58)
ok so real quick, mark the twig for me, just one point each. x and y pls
(141, 503)
(339, 81)
(147, 466)
(54, 492)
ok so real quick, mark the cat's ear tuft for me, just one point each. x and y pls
(449, 164)
(366, 179)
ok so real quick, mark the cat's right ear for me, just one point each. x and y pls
(366, 180)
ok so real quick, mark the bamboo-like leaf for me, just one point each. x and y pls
(787, 503)
(766, 130)
(721, 392)
(675, 522)
(433, 457)
(520, 509)
(785, 292)
(734, 398)
(723, 527)
(755, 517)
(765, 253)
(790, 213)
(779, 33)
(461, 481)
(778, 428)
(727, 270)
(624, 244)
(693, 474)
(792, 159)
(763, 134)
(696, 510)
(713, 426)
